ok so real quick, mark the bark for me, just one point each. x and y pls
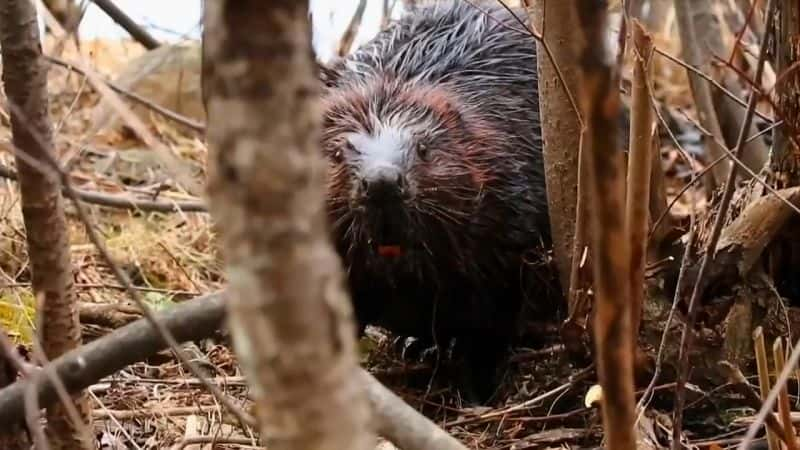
(561, 126)
(612, 325)
(25, 80)
(637, 199)
(785, 161)
(291, 317)
(701, 91)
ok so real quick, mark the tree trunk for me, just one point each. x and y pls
(25, 81)
(785, 161)
(561, 126)
(291, 318)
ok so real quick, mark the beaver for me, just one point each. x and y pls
(436, 192)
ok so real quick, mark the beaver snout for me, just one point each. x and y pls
(384, 184)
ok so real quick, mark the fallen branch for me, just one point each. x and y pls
(84, 366)
(743, 241)
(192, 320)
(123, 201)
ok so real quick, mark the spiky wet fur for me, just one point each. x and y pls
(467, 83)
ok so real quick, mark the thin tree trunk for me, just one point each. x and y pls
(25, 81)
(639, 171)
(561, 126)
(289, 312)
(600, 103)
(785, 161)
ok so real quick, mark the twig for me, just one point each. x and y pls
(697, 177)
(610, 247)
(740, 384)
(168, 113)
(123, 201)
(709, 79)
(171, 161)
(81, 367)
(140, 413)
(528, 30)
(123, 20)
(123, 279)
(760, 349)
(346, 42)
(699, 285)
(521, 406)
(687, 253)
(213, 440)
(785, 410)
(753, 176)
(701, 92)
(84, 435)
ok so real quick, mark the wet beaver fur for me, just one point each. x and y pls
(436, 192)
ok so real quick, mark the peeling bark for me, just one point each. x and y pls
(25, 81)
(290, 317)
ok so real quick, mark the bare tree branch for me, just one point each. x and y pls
(137, 32)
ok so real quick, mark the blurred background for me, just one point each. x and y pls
(174, 20)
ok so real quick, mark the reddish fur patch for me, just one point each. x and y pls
(448, 108)
(478, 134)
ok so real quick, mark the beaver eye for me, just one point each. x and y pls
(350, 147)
(422, 151)
(337, 155)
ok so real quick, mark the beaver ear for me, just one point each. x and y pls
(330, 72)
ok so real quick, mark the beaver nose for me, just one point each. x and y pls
(383, 183)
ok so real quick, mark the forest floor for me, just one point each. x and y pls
(172, 257)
